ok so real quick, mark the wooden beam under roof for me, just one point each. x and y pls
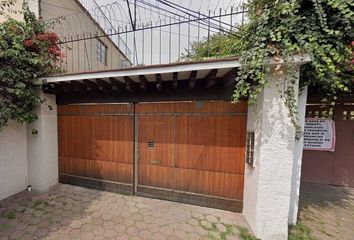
(175, 80)
(79, 86)
(210, 78)
(182, 93)
(92, 86)
(143, 82)
(58, 89)
(116, 85)
(192, 79)
(228, 78)
(104, 85)
(66, 87)
(159, 82)
(130, 85)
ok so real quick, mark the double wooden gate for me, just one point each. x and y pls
(189, 152)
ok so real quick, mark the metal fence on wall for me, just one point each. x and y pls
(140, 32)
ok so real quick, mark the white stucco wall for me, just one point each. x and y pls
(298, 151)
(268, 184)
(13, 139)
(13, 160)
(27, 159)
(13, 142)
(42, 150)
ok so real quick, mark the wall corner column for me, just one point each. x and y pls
(42, 148)
(268, 184)
(298, 152)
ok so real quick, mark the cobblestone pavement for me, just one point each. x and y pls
(70, 212)
(327, 211)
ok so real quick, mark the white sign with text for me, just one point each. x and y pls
(319, 134)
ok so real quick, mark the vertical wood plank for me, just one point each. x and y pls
(95, 143)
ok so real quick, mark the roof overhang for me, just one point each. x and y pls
(211, 79)
(214, 77)
(184, 68)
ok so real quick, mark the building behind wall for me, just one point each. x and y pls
(72, 21)
(15, 10)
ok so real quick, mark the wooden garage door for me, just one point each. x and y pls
(96, 146)
(192, 152)
(188, 152)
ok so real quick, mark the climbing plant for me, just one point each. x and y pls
(278, 29)
(27, 52)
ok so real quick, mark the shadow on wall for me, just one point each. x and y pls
(278, 124)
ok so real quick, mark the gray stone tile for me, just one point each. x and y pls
(70, 212)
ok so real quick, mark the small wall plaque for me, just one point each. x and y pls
(250, 148)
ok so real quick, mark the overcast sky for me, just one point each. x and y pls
(167, 43)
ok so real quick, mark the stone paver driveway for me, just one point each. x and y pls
(327, 211)
(70, 212)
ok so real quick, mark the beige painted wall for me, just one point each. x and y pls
(15, 10)
(81, 55)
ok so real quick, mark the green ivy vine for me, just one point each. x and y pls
(27, 52)
(278, 29)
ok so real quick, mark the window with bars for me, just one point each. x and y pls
(348, 115)
(101, 51)
(124, 64)
(320, 114)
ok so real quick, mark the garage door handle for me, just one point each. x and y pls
(155, 162)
